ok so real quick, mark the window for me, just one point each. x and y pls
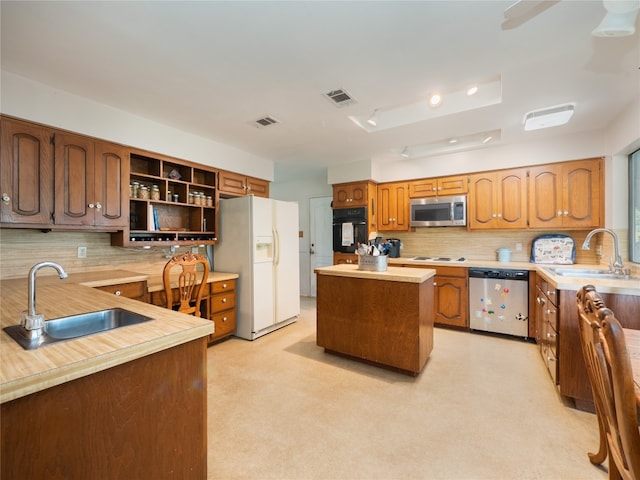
(634, 207)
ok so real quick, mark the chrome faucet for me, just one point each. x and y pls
(615, 265)
(32, 321)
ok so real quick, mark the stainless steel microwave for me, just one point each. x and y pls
(448, 211)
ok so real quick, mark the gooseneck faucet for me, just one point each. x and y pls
(615, 265)
(32, 321)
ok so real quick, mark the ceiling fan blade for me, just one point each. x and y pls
(523, 11)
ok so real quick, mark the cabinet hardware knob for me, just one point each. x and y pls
(5, 198)
(117, 293)
(98, 206)
(91, 205)
(224, 300)
(224, 319)
(566, 212)
(224, 285)
(435, 284)
(559, 213)
(494, 215)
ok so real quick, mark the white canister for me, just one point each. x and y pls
(504, 255)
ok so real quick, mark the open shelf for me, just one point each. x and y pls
(183, 214)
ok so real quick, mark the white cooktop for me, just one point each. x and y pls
(440, 259)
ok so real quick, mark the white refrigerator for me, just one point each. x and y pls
(258, 240)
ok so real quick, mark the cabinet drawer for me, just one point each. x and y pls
(225, 323)
(223, 301)
(129, 290)
(223, 286)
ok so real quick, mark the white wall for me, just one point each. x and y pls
(24, 98)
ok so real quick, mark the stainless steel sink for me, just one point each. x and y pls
(589, 273)
(67, 328)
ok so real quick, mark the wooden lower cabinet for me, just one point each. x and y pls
(134, 290)
(218, 304)
(349, 258)
(451, 295)
(546, 318)
(223, 309)
(141, 419)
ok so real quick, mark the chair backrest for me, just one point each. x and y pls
(611, 377)
(187, 282)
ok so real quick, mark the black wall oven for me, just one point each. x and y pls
(349, 229)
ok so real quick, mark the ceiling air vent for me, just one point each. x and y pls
(339, 97)
(266, 121)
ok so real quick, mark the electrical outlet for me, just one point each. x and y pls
(518, 247)
(82, 252)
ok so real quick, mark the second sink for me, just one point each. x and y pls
(588, 273)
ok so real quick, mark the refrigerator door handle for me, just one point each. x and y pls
(276, 247)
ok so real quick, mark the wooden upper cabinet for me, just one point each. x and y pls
(566, 195)
(237, 185)
(347, 195)
(430, 187)
(26, 173)
(393, 206)
(112, 184)
(498, 200)
(90, 180)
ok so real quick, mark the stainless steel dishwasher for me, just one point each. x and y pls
(499, 301)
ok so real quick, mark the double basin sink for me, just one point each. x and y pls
(75, 326)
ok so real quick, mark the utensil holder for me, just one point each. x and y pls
(371, 263)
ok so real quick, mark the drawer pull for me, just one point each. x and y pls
(224, 319)
(224, 285)
(224, 300)
(117, 293)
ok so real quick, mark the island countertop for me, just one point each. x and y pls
(23, 372)
(392, 274)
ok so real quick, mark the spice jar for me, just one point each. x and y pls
(197, 199)
(191, 198)
(209, 201)
(143, 192)
(134, 189)
(155, 192)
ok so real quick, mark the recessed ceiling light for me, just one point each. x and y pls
(548, 117)
(435, 100)
(472, 90)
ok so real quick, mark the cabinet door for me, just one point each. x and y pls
(393, 207)
(482, 202)
(427, 187)
(26, 170)
(453, 185)
(111, 185)
(512, 199)
(350, 195)
(258, 187)
(545, 197)
(345, 258)
(582, 195)
(451, 300)
(74, 187)
(231, 183)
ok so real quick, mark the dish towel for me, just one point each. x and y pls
(347, 234)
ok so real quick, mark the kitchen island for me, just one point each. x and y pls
(125, 403)
(381, 317)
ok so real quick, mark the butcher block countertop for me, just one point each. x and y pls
(392, 274)
(23, 372)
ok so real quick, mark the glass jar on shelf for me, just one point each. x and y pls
(191, 198)
(143, 192)
(155, 192)
(209, 201)
(133, 190)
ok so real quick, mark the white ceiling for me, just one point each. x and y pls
(213, 68)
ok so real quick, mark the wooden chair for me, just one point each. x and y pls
(609, 370)
(187, 282)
